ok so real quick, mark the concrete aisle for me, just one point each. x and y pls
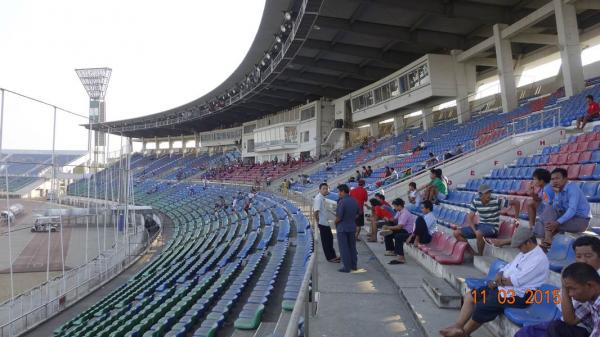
(363, 303)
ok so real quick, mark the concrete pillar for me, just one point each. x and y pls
(143, 145)
(398, 124)
(427, 118)
(170, 142)
(156, 143)
(508, 89)
(196, 145)
(462, 88)
(374, 129)
(182, 144)
(319, 130)
(570, 49)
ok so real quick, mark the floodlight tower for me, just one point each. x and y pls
(95, 82)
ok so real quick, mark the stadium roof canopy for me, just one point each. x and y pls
(333, 47)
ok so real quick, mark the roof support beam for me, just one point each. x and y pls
(546, 39)
(346, 83)
(401, 34)
(308, 88)
(391, 57)
(369, 73)
(483, 13)
(510, 31)
(587, 4)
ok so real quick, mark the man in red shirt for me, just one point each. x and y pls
(379, 216)
(361, 196)
(593, 111)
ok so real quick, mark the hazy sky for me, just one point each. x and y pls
(163, 54)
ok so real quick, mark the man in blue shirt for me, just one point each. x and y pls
(345, 223)
(570, 211)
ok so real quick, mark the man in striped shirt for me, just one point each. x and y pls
(488, 209)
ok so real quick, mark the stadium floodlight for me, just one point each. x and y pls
(95, 81)
(278, 38)
(287, 15)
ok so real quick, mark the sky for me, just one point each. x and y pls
(162, 53)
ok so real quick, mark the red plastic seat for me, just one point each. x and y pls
(553, 159)
(562, 159)
(456, 257)
(573, 172)
(509, 210)
(573, 158)
(524, 189)
(564, 148)
(594, 145)
(436, 242)
(446, 249)
(506, 230)
(595, 135)
(572, 147)
(582, 146)
(586, 137)
(585, 156)
(587, 171)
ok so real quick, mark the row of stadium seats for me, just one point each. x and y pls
(211, 259)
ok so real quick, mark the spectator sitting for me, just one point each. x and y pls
(358, 175)
(541, 194)
(398, 231)
(425, 225)
(364, 172)
(369, 171)
(570, 211)
(437, 189)
(526, 272)
(488, 210)
(587, 250)
(351, 179)
(387, 172)
(448, 154)
(431, 161)
(581, 283)
(379, 216)
(593, 111)
(414, 197)
(458, 150)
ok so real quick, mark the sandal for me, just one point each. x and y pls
(396, 262)
(389, 254)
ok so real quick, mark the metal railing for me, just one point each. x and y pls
(38, 304)
(533, 122)
(306, 304)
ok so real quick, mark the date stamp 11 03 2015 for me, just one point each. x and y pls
(532, 296)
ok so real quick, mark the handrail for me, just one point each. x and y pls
(74, 289)
(513, 122)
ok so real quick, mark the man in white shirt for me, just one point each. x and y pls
(526, 272)
(323, 220)
(587, 250)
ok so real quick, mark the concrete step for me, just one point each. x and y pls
(265, 329)
(444, 295)
(282, 323)
(453, 274)
(431, 318)
(243, 333)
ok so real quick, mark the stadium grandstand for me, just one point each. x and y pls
(381, 168)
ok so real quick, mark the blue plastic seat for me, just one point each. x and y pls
(474, 283)
(590, 189)
(595, 157)
(545, 311)
(561, 252)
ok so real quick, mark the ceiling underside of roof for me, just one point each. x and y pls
(349, 44)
